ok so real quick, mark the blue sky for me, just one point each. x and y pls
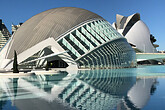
(151, 11)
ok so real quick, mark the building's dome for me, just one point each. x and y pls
(68, 36)
(50, 23)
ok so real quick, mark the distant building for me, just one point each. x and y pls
(138, 35)
(15, 27)
(4, 34)
(136, 32)
(161, 51)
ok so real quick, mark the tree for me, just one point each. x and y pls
(47, 66)
(152, 38)
(15, 64)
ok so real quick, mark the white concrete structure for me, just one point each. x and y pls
(139, 35)
(89, 40)
(135, 31)
(150, 56)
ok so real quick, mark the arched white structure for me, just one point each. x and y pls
(135, 31)
(90, 41)
(139, 35)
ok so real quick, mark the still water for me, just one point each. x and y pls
(121, 89)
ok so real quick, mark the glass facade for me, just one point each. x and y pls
(96, 44)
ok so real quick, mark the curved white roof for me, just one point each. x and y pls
(122, 21)
(50, 23)
(139, 35)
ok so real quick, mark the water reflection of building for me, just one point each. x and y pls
(97, 89)
(89, 89)
(37, 92)
(139, 95)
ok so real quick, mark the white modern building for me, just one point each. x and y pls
(135, 31)
(138, 35)
(68, 37)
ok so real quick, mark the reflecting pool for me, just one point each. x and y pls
(118, 89)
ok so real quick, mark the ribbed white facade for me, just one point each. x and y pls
(87, 40)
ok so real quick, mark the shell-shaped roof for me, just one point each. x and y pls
(122, 21)
(50, 23)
